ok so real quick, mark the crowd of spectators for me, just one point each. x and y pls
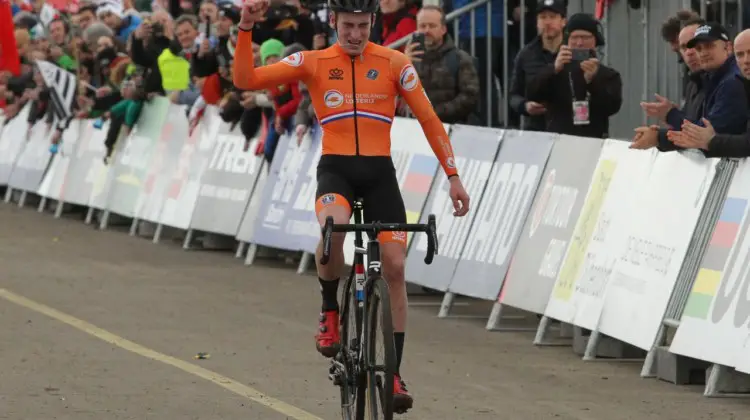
(126, 52)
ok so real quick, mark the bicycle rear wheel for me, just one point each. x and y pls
(353, 386)
(380, 365)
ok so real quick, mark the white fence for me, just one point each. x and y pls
(583, 231)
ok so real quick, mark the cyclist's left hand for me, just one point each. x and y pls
(459, 196)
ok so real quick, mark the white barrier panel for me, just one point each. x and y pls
(133, 161)
(416, 166)
(475, 149)
(714, 323)
(664, 219)
(501, 214)
(87, 174)
(599, 236)
(34, 159)
(549, 226)
(12, 143)
(53, 184)
(166, 154)
(182, 192)
(247, 227)
(227, 184)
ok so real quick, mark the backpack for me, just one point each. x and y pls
(452, 61)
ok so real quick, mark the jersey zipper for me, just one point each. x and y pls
(354, 105)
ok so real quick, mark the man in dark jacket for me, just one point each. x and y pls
(670, 31)
(533, 58)
(725, 103)
(653, 136)
(448, 74)
(705, 137)
(579, 92)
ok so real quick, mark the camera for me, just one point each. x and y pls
(157, 30)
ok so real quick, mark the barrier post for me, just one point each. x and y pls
(157, 233)
(59, 209)
(134, 226)
(241, 246)
(250, 257)
(188, 239)
(42, 204)
(493, 323)
(446, 305)
(8, 194)
(304, 263)
(22, 199)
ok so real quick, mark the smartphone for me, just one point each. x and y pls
(581, 54)
(419, 39)
(98, 123)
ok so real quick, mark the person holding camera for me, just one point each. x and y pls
(448, 74)
(579, 93)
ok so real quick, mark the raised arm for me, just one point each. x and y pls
(410, 88)
(246, 76)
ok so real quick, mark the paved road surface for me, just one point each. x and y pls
(100, 325)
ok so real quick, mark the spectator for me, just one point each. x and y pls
(651, 136)
(580, 95)
(58, 32)
(122, 22)
(395, 20)
(670, 31)
(288, 22)
(534, 58)
(186, 30)
(706, 137)
(286, 99)
(725, 103)
(448, 74)
(86, 16)
(209, 59)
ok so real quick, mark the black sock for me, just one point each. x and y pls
(329, 289)
(398, 339)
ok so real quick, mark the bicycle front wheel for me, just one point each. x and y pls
(380, 353)
(352, 388)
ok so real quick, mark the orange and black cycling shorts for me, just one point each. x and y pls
(341, 179)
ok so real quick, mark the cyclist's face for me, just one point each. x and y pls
(353, 30)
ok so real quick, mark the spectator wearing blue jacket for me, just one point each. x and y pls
(725, 101)
(113, 15)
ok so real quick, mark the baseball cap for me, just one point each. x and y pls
(708, 33)
(557, 6)
(229, 11)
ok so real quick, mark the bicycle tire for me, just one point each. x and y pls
(379, 322)
(352, 388)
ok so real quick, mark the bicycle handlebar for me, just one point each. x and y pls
(430, 228)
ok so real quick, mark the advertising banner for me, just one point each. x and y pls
(12, 143)
(184, 184)
(549, 226)
(54, 180)
(133, 161)
(226, 184)
(714, 324)
(166, 154)
(664, 219)
(599, 237)
(475, 149)
(501, 214)
(33, 161)
(286, 216)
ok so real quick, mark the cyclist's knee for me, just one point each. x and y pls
(334, 205)
(393, 254)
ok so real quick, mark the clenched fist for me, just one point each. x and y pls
(252, 11)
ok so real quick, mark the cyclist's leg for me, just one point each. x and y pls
(384, 203)
(333, 199)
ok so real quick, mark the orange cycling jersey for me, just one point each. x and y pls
(354, 97)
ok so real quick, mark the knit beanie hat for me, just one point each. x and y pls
(269, 48)
(584, 22)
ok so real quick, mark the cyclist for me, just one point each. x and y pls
(354, 85)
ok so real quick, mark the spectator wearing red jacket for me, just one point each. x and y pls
(397, 18)
(286, 98)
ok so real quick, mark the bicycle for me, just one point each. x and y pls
(364, 383)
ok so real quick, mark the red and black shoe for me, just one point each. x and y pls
(328, 340)
(402, 400)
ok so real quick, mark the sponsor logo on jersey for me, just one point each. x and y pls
(335, 74)
(409, 78)
(399, 236)
(451, 163)
(294, 60)
(333, 99)
(372, 74)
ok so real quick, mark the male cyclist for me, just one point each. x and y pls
(354, 85)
